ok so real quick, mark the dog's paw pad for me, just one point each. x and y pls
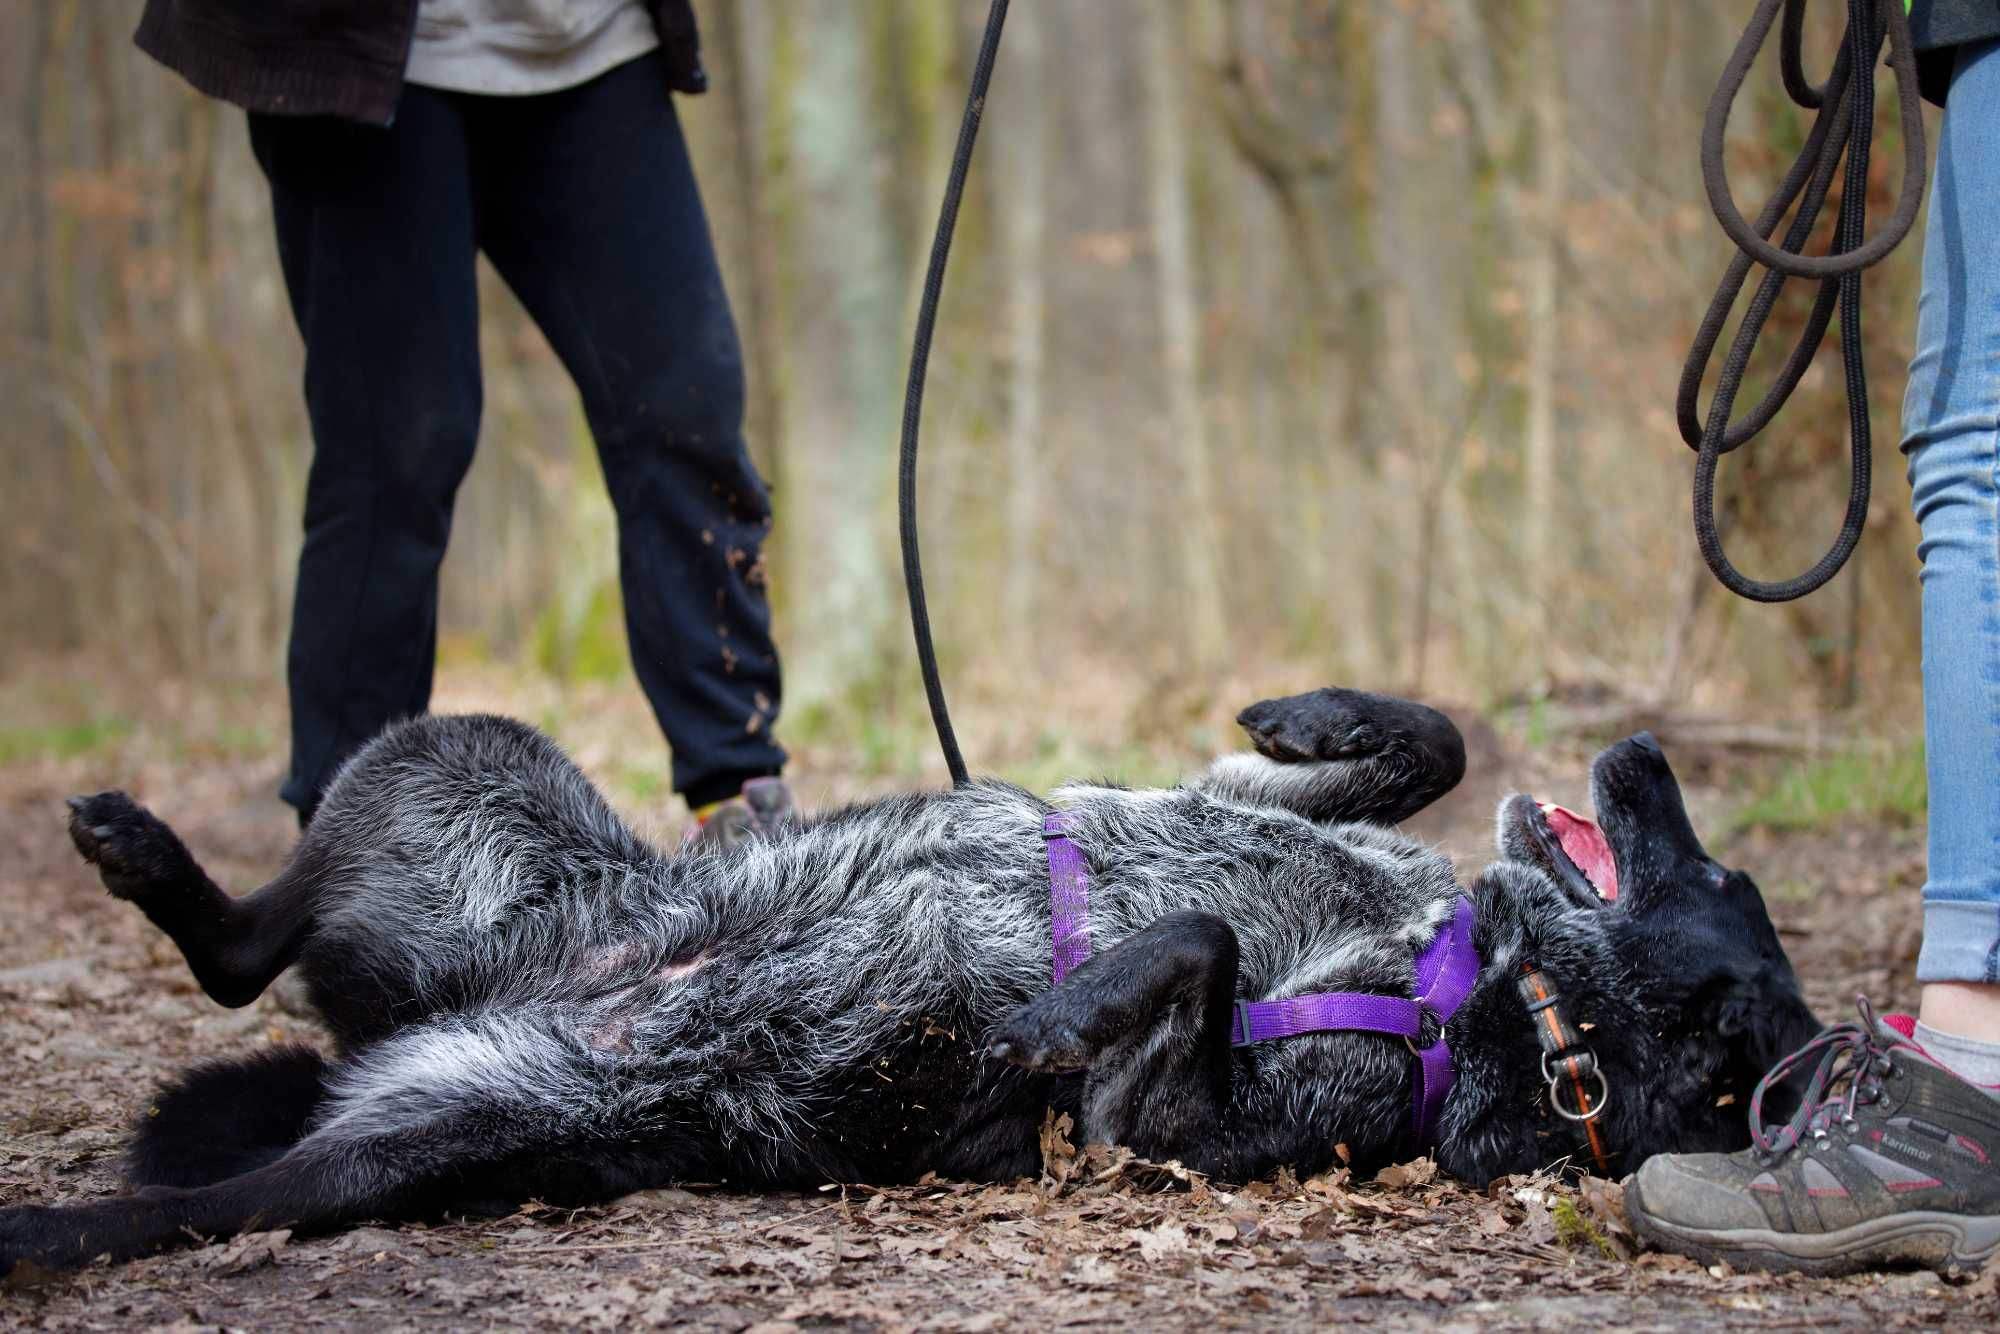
(127, 844)
(1051, 1048)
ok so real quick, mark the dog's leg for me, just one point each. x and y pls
(234, 946)
(1336, 755)
(1149, 1019)
(407, 1130)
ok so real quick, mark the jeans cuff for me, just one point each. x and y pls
(1961, 941)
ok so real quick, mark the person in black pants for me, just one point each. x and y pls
(585, 201)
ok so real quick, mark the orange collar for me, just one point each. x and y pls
(1578, 1090)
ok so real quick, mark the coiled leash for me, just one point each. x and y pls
(1846, 105)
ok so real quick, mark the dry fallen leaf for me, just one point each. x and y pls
(1402, 1176)
(252, 1250)
(1165, 1242)
(1058, 1154)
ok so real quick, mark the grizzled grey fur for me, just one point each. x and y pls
(531, 1000)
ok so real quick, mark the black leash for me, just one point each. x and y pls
(913, 397)
(1846, 105)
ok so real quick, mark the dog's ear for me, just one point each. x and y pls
(1760, 1015)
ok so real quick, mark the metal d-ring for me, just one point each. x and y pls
(1586, 1063)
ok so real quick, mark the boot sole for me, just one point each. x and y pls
(1946, 1243)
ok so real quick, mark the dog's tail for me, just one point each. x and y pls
(226, 1118)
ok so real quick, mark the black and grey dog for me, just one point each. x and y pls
(529, 1001)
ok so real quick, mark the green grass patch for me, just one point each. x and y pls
(243, 740)
(60, 741)
(1577, 1232)
(642, 782)
(585, 642)
(1868, 783)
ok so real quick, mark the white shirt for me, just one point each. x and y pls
(516, 47)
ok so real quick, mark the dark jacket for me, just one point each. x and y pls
(332, 57)
(1938, 28)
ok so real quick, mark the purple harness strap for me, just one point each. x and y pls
(1069, 896)
(1445, 972)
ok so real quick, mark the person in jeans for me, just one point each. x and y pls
(1895, 1156)
(401, 138)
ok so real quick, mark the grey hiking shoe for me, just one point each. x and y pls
(1889, 1161)
(760, 810)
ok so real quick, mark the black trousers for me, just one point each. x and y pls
(585, 201)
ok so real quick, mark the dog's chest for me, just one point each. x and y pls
(1298, 898)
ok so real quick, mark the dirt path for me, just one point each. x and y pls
(94, 1007)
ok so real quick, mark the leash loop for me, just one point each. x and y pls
(1841, 134)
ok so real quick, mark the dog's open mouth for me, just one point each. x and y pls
(1577, 840)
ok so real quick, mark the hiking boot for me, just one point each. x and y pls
(759, 811)
(1890, 1160)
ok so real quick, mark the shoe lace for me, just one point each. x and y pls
(1852, 1062)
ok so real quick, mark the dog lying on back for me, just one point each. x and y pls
(531, 1002)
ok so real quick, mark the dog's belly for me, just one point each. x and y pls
(610, 1032)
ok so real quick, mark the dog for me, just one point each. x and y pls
(528, 1001)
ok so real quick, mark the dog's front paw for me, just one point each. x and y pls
(1039, 1038)
(1329, 724)
(127, 843)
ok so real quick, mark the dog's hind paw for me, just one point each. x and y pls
(1329, 724)
(130, 847)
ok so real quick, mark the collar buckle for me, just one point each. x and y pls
(1584, 1066)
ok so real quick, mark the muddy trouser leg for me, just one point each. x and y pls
(1951, 427)
(376, 238)
(591, 213)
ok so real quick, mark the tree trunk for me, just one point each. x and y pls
(1538, 492)
(846, 231)
(765, 420)
(1021, 156)
(1168, 209)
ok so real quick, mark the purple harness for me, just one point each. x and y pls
(1445, 972)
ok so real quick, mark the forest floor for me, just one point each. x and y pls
(95, 1007)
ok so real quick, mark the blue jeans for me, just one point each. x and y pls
(1951, 433)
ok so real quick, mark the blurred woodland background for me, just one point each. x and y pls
(1285, 341)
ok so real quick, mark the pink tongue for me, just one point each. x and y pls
(1587, 847)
